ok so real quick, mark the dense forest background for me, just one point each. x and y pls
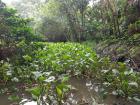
(113, 25)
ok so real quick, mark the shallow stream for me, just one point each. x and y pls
(84, 92)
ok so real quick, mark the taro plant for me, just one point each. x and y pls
(43, 67)
(61, 89)
(48, 90)
(62, 57)
(120, 80)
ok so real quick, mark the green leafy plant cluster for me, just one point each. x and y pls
(78, 59)
(49, 89)
(70, 59)
(62, 57)
(116, 77)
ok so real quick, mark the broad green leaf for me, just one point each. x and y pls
(59, 92)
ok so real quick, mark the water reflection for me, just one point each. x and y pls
(27, 102)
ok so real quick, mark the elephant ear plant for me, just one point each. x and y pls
(48, 89)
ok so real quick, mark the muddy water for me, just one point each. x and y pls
(84, 92)
(4, 100)
(87, 91)
(24, 101)
(81, 93)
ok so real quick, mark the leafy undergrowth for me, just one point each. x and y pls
(49, 65)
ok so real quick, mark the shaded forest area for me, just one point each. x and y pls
(46, 44)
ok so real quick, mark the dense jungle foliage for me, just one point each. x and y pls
(46, 43)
